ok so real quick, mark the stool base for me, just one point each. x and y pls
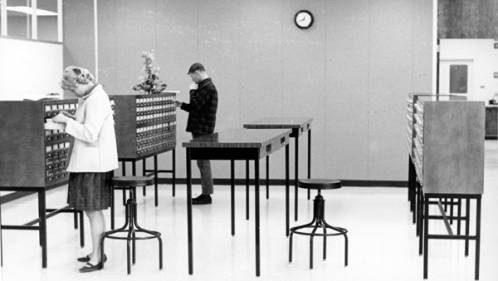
(131, 227)
(319, 222)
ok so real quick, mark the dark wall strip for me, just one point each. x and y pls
(357, 183)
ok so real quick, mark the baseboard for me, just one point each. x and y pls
(225, 181)
(358, 183)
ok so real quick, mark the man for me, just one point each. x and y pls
(201, 121)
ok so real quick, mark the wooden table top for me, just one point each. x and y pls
(278, 123)
(239, 138)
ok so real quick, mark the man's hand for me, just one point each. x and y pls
(178, 103)
(193, 86)
(60, 118)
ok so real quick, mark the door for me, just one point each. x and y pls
(456, 77)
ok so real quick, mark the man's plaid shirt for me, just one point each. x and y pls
(202, 108)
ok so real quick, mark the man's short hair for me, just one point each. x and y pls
(196, 67)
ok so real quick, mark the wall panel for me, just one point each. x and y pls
(347, 84)
(79, 33)
(351, 71)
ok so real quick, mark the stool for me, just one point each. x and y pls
(131, 226)
(319, 219)
(127, 183)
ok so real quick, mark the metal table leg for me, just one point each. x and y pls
(256, 214)
(287, 226)
(418, 209)
(410, 182)
(173, 172)
(452, 202)
(247, 189)
(1, 238)
(155, 182)
(420, 219)
(450, 199)
(43, 226)
(412, 190)
(467, 225)
(309, 160)
(296, 174)
(232, 195)
(75, 220)
(478, 237)
(189, 215)
(459, 214)
(426, 234)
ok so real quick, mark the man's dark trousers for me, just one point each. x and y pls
(206, 175)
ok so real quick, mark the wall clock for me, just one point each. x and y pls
(303, 19)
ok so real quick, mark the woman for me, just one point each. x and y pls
(93, 156)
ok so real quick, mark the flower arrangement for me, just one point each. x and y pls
(150, 83)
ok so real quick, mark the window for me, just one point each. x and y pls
(31, 19)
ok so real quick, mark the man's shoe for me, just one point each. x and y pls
(202, 199)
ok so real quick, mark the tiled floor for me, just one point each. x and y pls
(383, 245)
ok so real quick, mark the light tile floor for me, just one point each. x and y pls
(383, 245)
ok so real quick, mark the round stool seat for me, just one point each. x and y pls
(127, 181)
(320, 184)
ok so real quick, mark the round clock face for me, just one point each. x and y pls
(303, 19)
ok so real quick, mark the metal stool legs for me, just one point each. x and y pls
(319, 222)
(131, 228)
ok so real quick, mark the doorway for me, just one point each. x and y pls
(456, 77)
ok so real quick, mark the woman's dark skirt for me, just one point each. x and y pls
(90, 191)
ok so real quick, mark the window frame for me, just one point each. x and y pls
(4, 25)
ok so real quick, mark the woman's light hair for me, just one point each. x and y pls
(74, 75)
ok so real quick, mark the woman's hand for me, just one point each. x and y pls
(178, 103)
(68, 115)
(60, 118)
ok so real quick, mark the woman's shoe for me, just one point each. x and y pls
(88, 267)
(87, 258)
(84, 259)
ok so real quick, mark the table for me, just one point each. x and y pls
(436, 134)
(298, 125)
(40, 224)
(238, 144)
